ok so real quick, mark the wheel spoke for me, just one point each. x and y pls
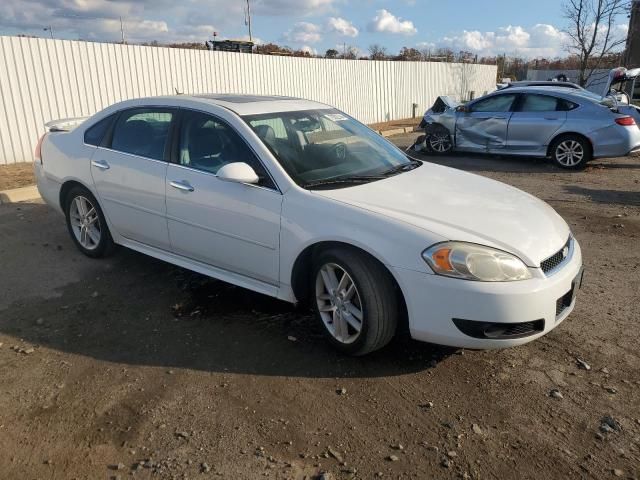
(350, 292)
(343, 284)
(353, 310)
(327, 308)
(329, 278)
(353, 321)
(93, 234)
(79, 206)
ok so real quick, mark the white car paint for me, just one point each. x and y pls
(251, 236)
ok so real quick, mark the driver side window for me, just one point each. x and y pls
(207, 144)
(496, 103)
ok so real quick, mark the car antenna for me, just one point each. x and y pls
(177, 92)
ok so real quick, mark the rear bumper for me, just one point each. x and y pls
(49, 188)
(615, 141)
(529, 309)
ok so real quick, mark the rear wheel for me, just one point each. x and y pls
(571, 152)
(355, 301)
(86, 223)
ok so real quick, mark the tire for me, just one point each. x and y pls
(86, 223)
(571, 152)
(373, 295)
(439, 142)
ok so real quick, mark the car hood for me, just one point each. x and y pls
(456, 205)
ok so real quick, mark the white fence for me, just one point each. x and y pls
(43, 80)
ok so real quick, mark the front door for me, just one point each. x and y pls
(231, 226)
(129, 174)
(484, 127)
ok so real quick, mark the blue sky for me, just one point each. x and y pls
(487, 27)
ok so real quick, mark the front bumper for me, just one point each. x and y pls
(434, 301)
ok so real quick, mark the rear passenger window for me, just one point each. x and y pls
(142, 132)
(538, 103)
(94, 135)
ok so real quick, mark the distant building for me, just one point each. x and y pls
(231, 46)
(632, 56)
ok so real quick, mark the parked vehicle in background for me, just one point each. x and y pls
(297, 200)
(571, 126)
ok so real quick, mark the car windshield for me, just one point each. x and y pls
(322, 147)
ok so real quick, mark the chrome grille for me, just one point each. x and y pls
(556, 259)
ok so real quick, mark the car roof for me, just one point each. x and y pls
(541, 90)
(544, 83)
(246, 104)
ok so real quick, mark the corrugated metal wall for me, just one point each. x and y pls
(43, 80)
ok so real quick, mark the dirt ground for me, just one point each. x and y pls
(132, 368)
(16, 175)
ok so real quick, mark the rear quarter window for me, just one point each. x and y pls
(566, 105)
(95, 134)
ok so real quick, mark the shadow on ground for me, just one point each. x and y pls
(621, 197)
(145, 312)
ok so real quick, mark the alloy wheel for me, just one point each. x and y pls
(569, 153)
(339, 303)
(440, 142)
(85, 222)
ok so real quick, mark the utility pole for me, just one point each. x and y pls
(121, 31)
(248, 21)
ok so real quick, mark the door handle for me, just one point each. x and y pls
(551, 118)
(184, 186)
(101, 164)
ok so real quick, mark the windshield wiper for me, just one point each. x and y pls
(347, 180)
(404, 167)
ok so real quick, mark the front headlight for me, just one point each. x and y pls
(475, 262)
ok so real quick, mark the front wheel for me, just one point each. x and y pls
(440, 142)
(571, 152)
(355, 301)
(86, 223)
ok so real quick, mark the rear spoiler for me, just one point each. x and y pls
(64, 124)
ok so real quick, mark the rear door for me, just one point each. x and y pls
(484, 127)
(129, 172)
(534, 122)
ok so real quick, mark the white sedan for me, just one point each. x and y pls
(297, 200)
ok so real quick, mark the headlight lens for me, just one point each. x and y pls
(475, 262)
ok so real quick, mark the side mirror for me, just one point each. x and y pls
(238, 172)
(463, 109)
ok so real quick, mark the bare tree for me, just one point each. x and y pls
(377, 52)
(591, 30)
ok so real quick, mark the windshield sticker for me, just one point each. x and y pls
(336, 117)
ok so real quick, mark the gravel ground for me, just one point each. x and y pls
(132, 367)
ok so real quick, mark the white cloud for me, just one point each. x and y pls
(342, 27)
(309, 50)
(385, 21)
(304, 32)
(541, 40)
